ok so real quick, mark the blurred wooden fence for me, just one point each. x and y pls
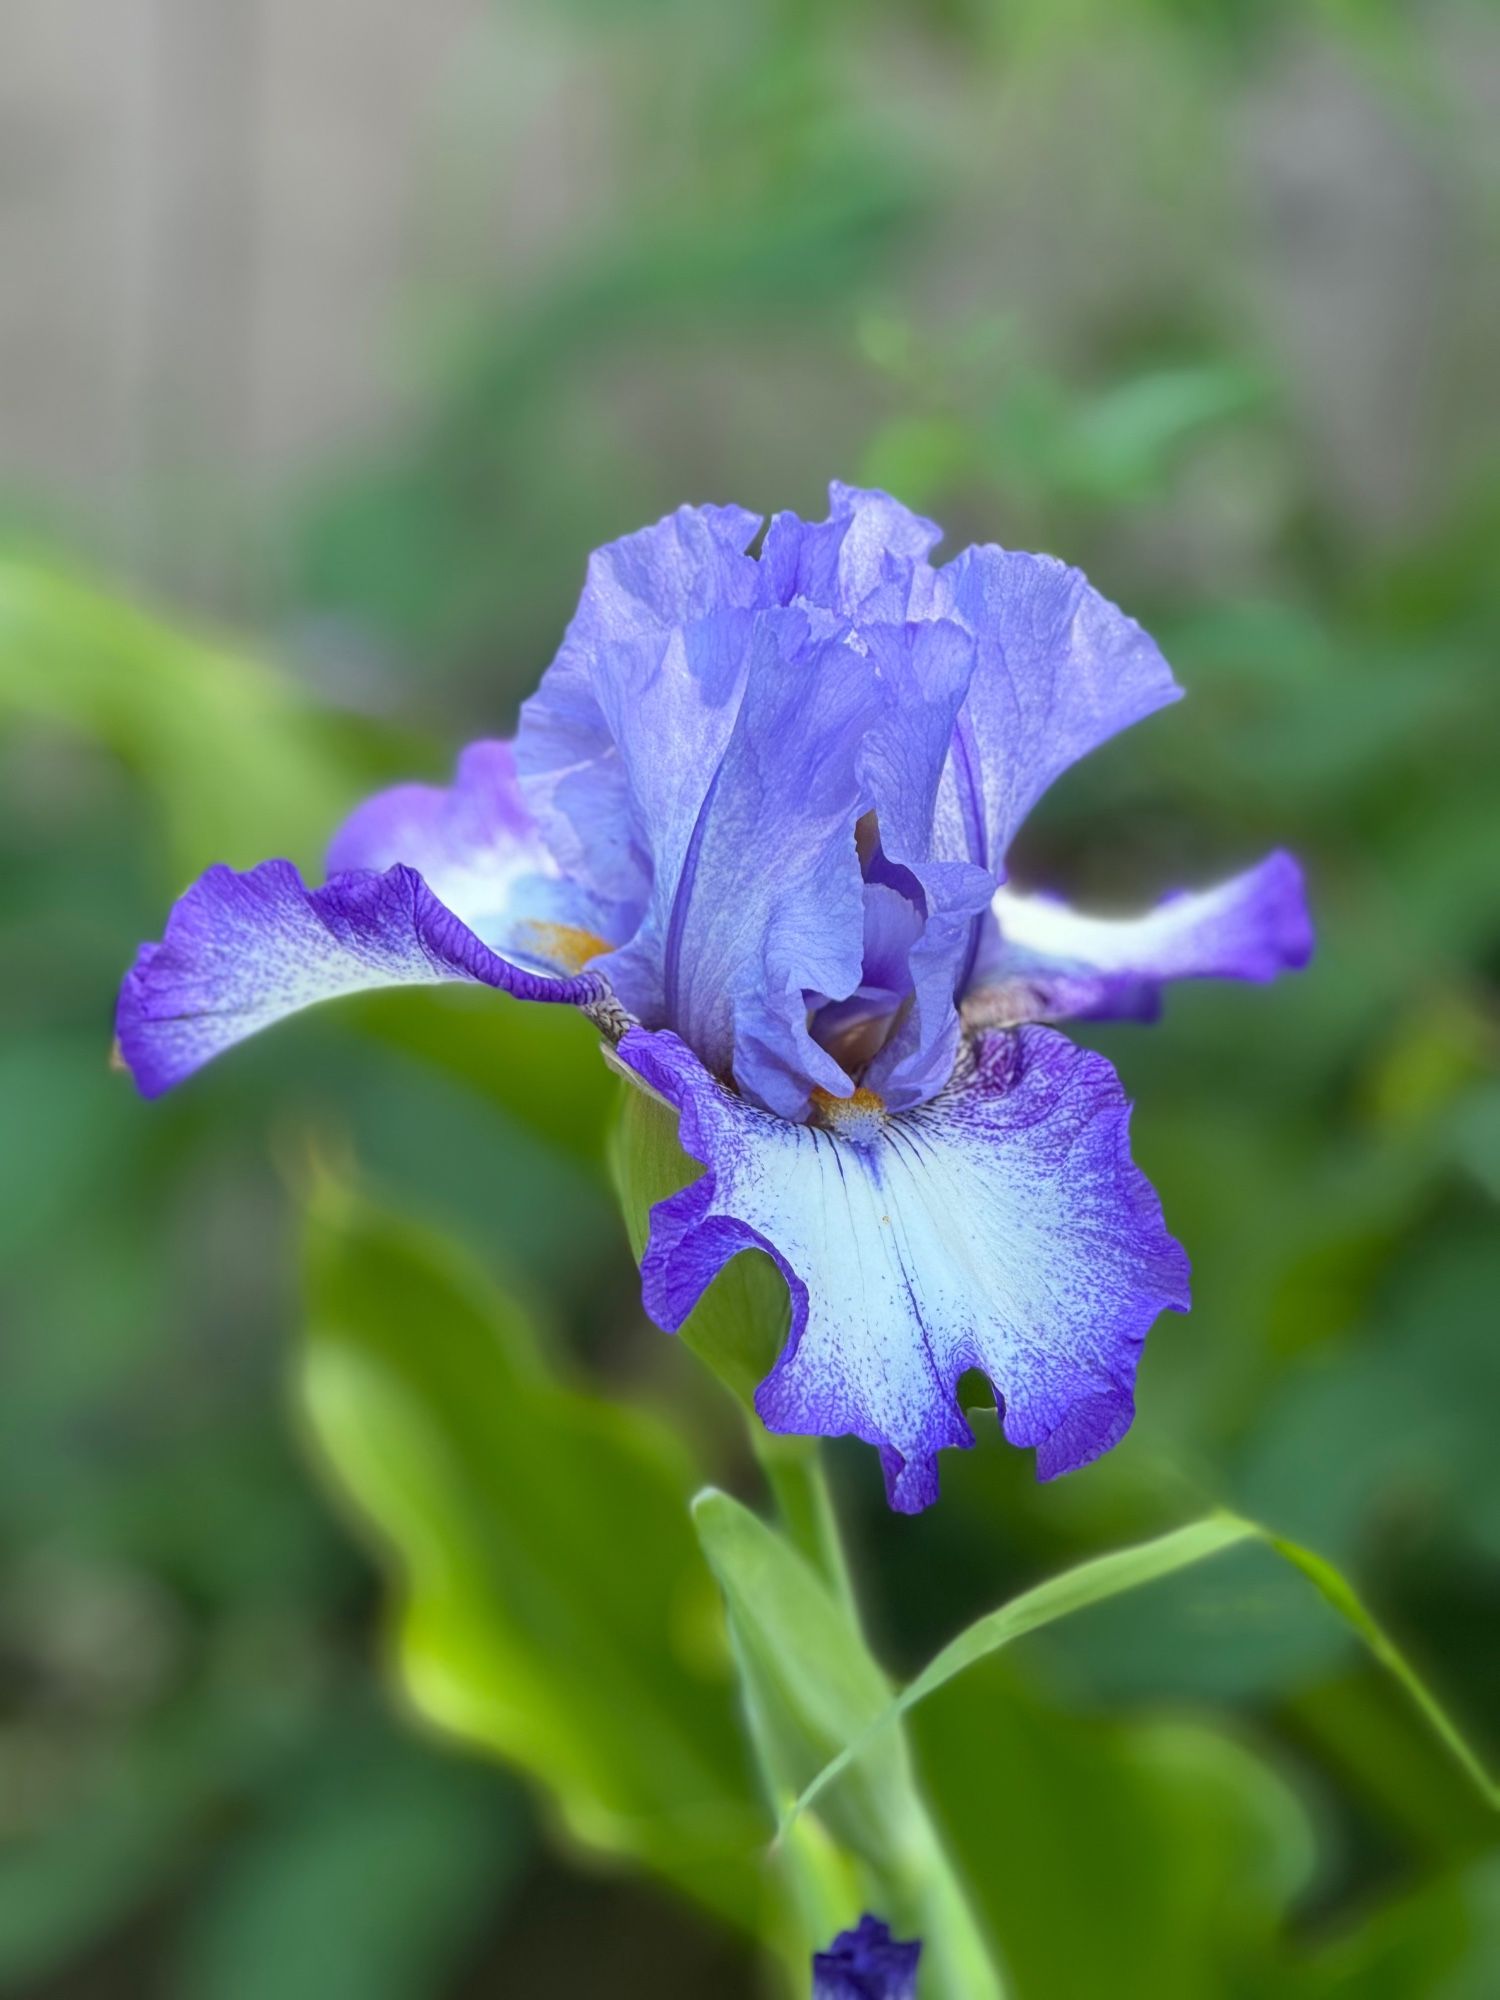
(205, 215)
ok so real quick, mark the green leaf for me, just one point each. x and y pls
(1127, 1569)
(1146, 1858)
(366, 1875)
(1427, 1349)
(232, 755)
(552, 1607)
(738, 1326)
(805, 1669)
(69, 1134)
(1441, 1942)
(1121, 443)
(1336, 1590)
(542, 1065)
(809, 1683)
(68, 1884)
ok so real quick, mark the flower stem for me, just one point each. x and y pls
(798, 1481)
(958, 1961)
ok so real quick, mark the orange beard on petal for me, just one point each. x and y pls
(563, 946)
(860, 1117)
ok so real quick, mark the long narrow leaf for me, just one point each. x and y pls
(1127, 1569)
(1335, 1589)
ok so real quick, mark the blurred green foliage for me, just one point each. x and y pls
(554, 1611)
(1139, 283)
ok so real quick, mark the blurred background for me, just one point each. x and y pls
(333, 335)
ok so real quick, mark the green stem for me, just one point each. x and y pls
(958, 1964)
(798, 1480)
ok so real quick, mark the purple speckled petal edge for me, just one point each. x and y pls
(241, 951)
(1002, 1226)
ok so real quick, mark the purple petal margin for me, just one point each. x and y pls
(1002, 1227)
(244, 950)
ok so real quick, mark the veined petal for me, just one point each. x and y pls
(672, 704)
(868, 558)
(757, 908)
(243, 950)
(1001, 1226)
(853, 1029)
(738, 732)
(766, 904)
(572, 752)
(480, 852)
(1043, 961)
(925, 669)
(1059, 670)
(918, 1058)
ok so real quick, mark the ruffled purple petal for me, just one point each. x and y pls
(581, 757)
(866, 1963)
(703, 747)
(1043, 961)
(918, 1058)
(924, 669)
(672, 705)
(244, 950)
(1001, 1226)
(869, 558)
(764, 903)
(478, 823)
(791, 731)
(1060, 670)
(480, 852)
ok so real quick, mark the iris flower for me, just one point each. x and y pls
(866, 1964)
(755, 823)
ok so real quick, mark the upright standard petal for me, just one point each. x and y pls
(1042, 961)
(243, 951)
(671, 704)
(639, 591)
(1001, 1226)
(924, 669)
(867, 1963)
(1059, 670)
(765, 902)
(869, 558)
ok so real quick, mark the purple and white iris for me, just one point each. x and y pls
(866, 1963)
(755, 822)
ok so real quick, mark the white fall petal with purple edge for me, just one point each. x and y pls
(1000, 1226)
